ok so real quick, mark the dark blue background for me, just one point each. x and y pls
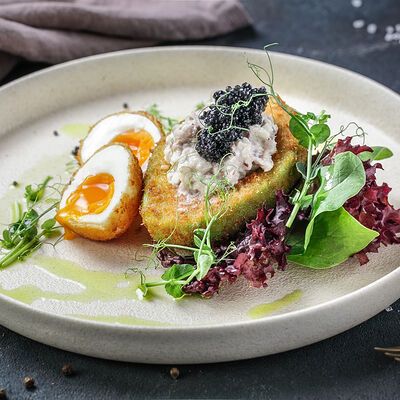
(343, 367)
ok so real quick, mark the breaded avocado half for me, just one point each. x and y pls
(165, 214)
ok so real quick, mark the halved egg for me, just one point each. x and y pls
(103, 196)
(139, 130)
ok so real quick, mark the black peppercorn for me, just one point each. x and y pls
(174, 372)
(67, 370)
(29, 382)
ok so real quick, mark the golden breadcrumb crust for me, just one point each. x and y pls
(165, 213)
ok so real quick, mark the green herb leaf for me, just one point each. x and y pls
(378, 153)
(336, 237)
(174, 290)
(204, 263)
(52, 233)
(7, 241)
(301, 168)
(36, 195)
(299, 132)
(321, 133)
(23, 236)
(339, 182)
(48, 224)
(178, 272)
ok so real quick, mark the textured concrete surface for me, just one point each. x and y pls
(342, 367)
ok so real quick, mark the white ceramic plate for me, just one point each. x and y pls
(76, 296)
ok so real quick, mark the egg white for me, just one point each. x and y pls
(113, 160)
(108, 128)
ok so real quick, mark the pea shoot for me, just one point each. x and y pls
(203, 255)
(166, 122)
(27, 232)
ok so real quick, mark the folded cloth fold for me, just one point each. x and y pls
(62, 30)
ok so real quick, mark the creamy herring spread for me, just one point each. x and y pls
(190, 172)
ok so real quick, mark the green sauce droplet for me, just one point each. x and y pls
(263, 310)
(76, 131)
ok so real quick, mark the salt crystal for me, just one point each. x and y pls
(358, 23)
(390, 308)
(389, 29)
(371, 28)
(356, 3)
(397, 27)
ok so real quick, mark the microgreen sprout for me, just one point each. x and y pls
(166, 122)
(203, 255)
(27, 232)
(323, 191)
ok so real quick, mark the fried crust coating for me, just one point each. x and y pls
(167, 215)
(123, 214)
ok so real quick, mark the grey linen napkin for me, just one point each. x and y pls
(62, 30)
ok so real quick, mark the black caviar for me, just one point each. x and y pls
(75, 151)
(223, 119)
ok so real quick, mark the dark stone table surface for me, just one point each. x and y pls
(343, 367)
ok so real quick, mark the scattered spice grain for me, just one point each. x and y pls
(67, 370)
(55, 133)
(174, 372)
(125, 106)
(29, 382)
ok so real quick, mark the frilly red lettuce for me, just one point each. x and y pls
(262, 248)
(371, 205)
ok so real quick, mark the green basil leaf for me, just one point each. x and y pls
(321, 133)
(48, 224)
(177, 272)
(378, 153)
(336, 237)
(299, 132)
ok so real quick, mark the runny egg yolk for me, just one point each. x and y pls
(92, 196)
(140, 142)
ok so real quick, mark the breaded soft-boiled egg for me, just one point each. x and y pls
(141, 131)
(103, 196)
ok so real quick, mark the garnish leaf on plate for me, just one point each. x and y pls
(378, 153)
(336, 236)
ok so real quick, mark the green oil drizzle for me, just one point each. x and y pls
(76, 131)
(263, 310)
(98, 285)
(123, 320)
